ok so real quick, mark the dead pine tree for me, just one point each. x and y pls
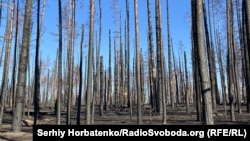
(116, 16)
(22, 69)
(138, 79)
(79, 100)
(151, 58)
(159, 78)
(70, 62)
(142, 74)
(128, 53)
(170, 60)
(96, 67)
(129, 95)
(176, 78)
(90, 63)
(59, 69)
(198, 38)
(121, 68)
(241, 44)
(186, 85)
(230, 58)
(101, 87)
(109, 76)
(37, 71)
(246, 38)
(8, 39)
(47, 90)
(196, 77)
(210, 59)
(15, 57)
(160, 73)
(38, 67)
(125, 65)
(116, 70)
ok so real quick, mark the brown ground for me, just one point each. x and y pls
(177, 116)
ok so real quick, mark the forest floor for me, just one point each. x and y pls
(176, 116)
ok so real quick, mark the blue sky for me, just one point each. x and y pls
(179, 22)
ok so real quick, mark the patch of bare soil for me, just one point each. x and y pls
(118, 116)
(20, 136)
(7, 135)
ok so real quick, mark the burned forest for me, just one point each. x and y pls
(123, 62)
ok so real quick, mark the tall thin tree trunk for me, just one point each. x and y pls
(204, 76)
(22, 69)
(239, 21)
(121, 68)
(196, 75)
(90, 63)
(3, 91)
(151, 60)
(47, 90)
(230, 56)
(78, 116)
(59, 91)
(210, 61)
(101, 86)
(128, 55)
(15, 57)
(71, 63)
(170, 60)
(176, 78)
(159, 73)
(99, 44)
(138, 69)
(186, 85)
(246, 31)
(109, 76)
(37, 71)
(116, 91)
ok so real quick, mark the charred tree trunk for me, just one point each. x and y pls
(59, 91)
(230, 60)
(151, 61)
(15, 57)
(198, 34)
(246, 31)
(78, 116)
(210, 63)
(186, 85)
(196, 75)
(177, 98)
(5, 78)
(90, 63)
(22, 69)
(109, 76)
(37, 71)
(121, 68)
(170, 61)
(159, 73)
(101, 86)
(128, 56)
(138, 68)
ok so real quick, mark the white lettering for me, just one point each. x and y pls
(51, 133)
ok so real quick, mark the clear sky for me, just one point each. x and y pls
(179, 22)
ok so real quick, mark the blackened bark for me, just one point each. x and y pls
(22, 69)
